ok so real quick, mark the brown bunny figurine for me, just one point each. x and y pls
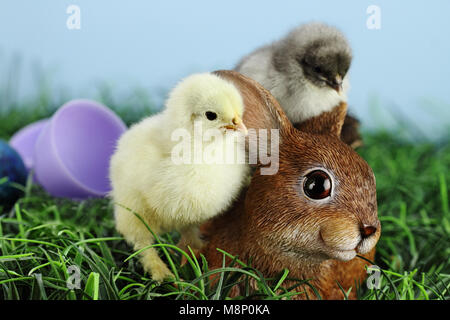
(313, 216)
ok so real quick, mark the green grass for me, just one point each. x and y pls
(42, 237)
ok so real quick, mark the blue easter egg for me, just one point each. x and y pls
(12, 171)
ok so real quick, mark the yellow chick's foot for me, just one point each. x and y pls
(190, 236)
(195, 244)
(161, 273)
(156, 267)
(195, 247)
(195, 251)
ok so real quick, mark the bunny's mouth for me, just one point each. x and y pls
(363, 247)
(343, 255)
(338, 253)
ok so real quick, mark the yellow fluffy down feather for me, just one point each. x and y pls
(170, 196)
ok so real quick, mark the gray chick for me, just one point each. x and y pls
(306, 71)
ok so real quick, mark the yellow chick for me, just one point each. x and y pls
(148, 178)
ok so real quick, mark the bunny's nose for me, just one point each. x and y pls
(367, 230)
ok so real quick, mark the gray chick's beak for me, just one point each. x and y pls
(336, 84)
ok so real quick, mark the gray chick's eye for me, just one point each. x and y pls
(210, 115)
(318, 70)
(303, 62)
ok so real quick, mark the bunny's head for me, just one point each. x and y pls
(321, 203)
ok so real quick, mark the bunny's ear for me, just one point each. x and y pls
(266, 122)
(262, 110)
(327, 123)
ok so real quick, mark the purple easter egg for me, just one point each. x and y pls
(72, 153)
(24, 141)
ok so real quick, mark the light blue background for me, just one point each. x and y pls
(404, 66)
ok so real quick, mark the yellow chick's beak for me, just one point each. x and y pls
(237, 125)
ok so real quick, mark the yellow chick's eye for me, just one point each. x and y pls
(210, 115)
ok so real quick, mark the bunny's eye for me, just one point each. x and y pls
(317, 185)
